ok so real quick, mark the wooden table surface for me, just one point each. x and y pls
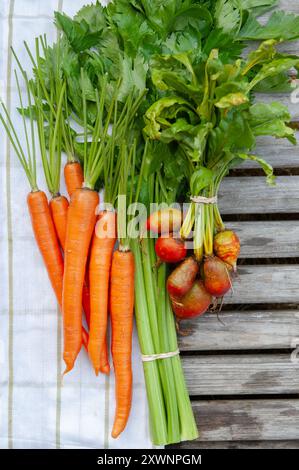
(243, 372)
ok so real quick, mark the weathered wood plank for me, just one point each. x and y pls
(270, 239)
(248, 420)
(262, 284)
(237, 445)
(241, 375)
(251, 195)
(280, 153)
(242, 331)
(289, 47)
(246, 424)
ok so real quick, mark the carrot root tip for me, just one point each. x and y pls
(115, 434)
(105, 369)
(67, 370)
(118, 427)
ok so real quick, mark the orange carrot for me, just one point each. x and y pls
(104, 359)
(46, 238)
(59, 207)
(73, 175)
(86, 301)
(105, 367)
(99, 272)
(80, 227)
(85, 338)
(121, 309)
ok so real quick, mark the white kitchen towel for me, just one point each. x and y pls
(37, 410)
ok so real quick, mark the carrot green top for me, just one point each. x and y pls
(27, 156)
(47, 128)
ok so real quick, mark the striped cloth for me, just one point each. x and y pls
(37, 410)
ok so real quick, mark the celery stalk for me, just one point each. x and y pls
(158, 331)
(188, 425)
(171, 416)
(155, 398)
(171, 399)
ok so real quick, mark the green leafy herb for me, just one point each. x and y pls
(271, 119)
(281, 26)
(78, 33)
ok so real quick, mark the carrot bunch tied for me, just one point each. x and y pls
(68, 233)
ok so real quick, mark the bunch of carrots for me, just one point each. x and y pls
(76, 239)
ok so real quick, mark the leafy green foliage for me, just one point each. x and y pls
(265, 166)
(187, 54)
(201, 179)
(78, 33)
(208, 110)
(93, 15)
(271, 119)
(273, 68)
(279, 83)
(257, 7)
(227, 16)
(281, 26)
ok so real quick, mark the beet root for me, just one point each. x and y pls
(227, 247)
(216, 276)
(170, 250)
(182, 278)
(165, 221)
(194, 303)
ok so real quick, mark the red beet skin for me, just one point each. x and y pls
(182, 278)
(216, 276)
(170, 250)
(227, 247)
(194, 303)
